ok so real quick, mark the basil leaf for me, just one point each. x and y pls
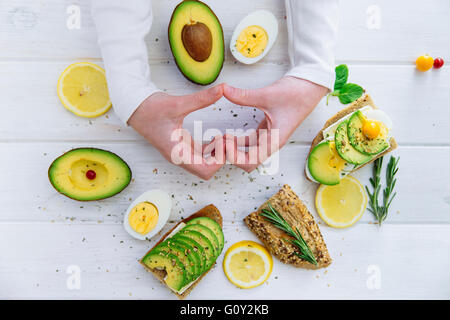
(341, 76)
(349, 93)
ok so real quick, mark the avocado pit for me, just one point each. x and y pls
(197, 40)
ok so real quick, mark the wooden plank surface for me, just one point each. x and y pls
(42, 233)
(37, 29)
(233, 191)
(107, 258)
(413, 99)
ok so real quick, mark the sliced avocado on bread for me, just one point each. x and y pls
(191, 253)
(359, 134)
(169, 264)
(197, 248)
(345, 149)
(213, 225)
(208, 248)
(186, 259)
(208, 233)
(359, 141)
(187, 252)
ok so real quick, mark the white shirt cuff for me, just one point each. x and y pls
(126, 104)
(316, 75)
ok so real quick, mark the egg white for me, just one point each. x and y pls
(262, 18)
(162, 202)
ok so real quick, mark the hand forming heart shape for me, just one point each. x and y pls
(285, 103)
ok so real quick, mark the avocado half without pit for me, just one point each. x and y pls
(87, 174)
(197, 42)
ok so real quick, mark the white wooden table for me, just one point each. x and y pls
(45, 238)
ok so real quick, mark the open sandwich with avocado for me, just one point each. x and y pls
(188, 251)
(354, 137)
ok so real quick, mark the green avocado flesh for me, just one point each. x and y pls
(213, 225)
(208, 248)
(176, 273)
(208, 234)
(196, 248)
(192, 254)
(318, 165)
(197, 42)
(170, 246)
(345, 149)
(69, 174)
(359, 141)
(188, 253)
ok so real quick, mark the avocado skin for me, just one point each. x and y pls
(53, 165)
(222, 43)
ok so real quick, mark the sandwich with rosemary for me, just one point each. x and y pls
(354, 137)
(187, 252)
(289, 231)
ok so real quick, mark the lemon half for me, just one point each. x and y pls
(247, 264)
(341, 205)
(82, 90)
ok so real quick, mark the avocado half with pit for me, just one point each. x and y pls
(197, 42)
(88, 174)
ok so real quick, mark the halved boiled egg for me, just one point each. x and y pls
(148, 214)
(254, 36)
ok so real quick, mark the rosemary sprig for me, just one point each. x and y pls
(278, 221)
(380, 212)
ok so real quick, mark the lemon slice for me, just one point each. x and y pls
(341, 205)
(247, 264)
(82, 90)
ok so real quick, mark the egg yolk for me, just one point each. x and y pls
(143, 217)
(371, 129)
(335, 160)
(252, 41)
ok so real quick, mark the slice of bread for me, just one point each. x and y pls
(209, 211)
(294, 211)
(365, 100)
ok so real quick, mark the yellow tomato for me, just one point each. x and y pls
(371, 129)
(424, 63)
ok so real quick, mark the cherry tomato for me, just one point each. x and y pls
(90, 174)
(438, 63)
(424, 63)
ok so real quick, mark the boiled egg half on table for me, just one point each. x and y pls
(148, 214)
(254, 36)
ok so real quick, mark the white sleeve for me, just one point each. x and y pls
(312, 29)
(121, 29)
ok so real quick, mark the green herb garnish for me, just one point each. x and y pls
(278, 221)
(380, 212)
(346, 92)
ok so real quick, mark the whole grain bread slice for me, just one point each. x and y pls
(365, 100)
(210, 211)
(294, 211)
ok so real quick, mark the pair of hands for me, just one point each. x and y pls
(285, 103)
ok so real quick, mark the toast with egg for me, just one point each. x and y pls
(295, 212)
(210, 211)
(360, 103)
